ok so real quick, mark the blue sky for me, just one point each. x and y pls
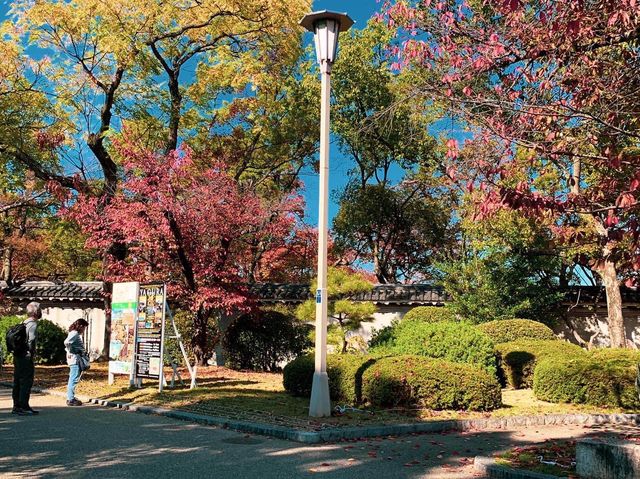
(360, 11)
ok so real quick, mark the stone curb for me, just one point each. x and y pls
(491, 470)
(340, 433)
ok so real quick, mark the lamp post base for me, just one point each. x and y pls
(320, 404)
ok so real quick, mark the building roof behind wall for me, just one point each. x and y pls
(387, 294)
(49, 291)
(270, 293)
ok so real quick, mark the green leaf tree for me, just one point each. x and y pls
(344, 314)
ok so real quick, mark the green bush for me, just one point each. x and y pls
(261, 342)
(50, 343)
(430, 314)
(616, 354)
(588, 379)
(410, 381)
(5, 324)
(517, 359)
(454, 341)
(344, 371)
(384, 336)
(505, 330)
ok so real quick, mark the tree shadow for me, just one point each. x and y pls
(101, 442)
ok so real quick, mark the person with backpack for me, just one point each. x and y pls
(76, 359)
(23, 346)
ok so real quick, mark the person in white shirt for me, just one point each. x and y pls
(75, 353)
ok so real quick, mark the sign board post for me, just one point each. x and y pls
(124, 306)
(150, 322)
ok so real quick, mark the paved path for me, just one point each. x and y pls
(97, 442)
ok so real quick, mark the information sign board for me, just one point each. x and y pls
(150, 331)
(124, 305)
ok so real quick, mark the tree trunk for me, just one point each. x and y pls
(615, 319)
(7, 272)
(200, 339)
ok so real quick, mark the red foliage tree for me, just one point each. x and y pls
(185, 225)
(553, 86)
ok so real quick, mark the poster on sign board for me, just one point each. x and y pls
(124, 306)
(150, 330)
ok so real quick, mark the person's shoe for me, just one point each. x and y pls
(33, 411)
(25, 412)
(74, 402)
(16, 410)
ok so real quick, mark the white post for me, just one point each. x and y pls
(320, 404)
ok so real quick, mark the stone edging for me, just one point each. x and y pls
(339, 433)
(488, 466)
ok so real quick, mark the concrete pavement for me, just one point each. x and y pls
(97, 442)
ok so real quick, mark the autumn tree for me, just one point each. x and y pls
(552, 86)
(106, 65)
(185, 225)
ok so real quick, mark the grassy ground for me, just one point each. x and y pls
(261, 397)
(551, 457)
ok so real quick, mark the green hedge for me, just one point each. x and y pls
(429, 314)
(409, 381)
(505, 330)
(588, 379)
(344, 371)
(50, 343)
(459, 342)
(517, 359)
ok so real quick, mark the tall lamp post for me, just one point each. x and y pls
(325, 26)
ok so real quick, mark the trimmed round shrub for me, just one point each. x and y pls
(429, 314)
(505, 330)
(587, 380)
(459, 342)
(344, 371)
(50, 343)
(416, 381)
(517, 359)
(263, 341)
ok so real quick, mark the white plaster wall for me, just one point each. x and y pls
(94, 335)
(592, 326)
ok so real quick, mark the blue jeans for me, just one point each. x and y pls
(74, 377)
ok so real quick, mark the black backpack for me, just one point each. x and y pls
(17, 339)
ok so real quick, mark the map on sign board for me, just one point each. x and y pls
(124, 302)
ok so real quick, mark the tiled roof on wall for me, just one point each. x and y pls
(382, 294)
(48, 291)
(409, 294)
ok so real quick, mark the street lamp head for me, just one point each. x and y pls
(326, 26)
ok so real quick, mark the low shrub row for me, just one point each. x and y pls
(406, 381)
(599, 378)
(344, 371)
(398, 381)
(517, 359)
